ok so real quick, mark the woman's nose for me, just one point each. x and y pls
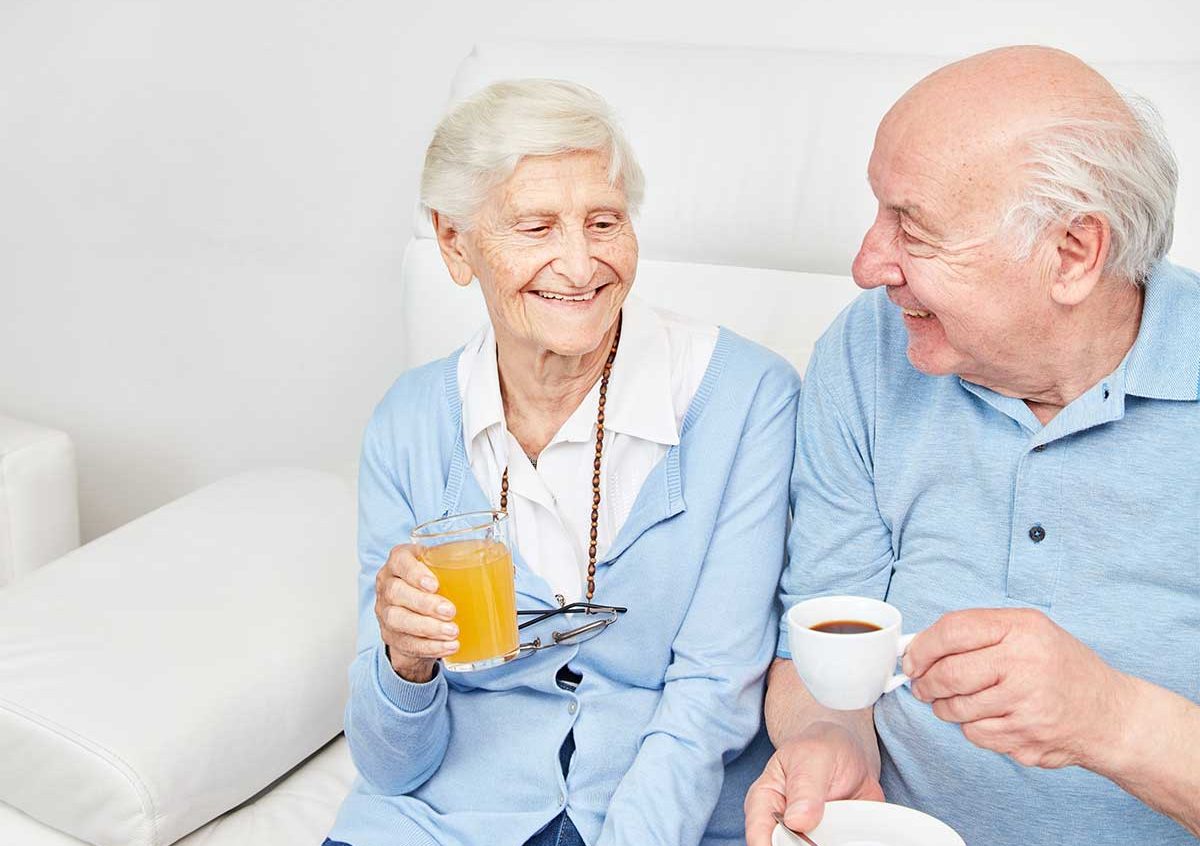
(877, 262)
(574, 261)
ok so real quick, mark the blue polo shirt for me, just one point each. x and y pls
(937, 494)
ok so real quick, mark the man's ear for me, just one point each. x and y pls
(453, 248)
(1082, 251)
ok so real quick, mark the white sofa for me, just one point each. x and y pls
(182, 679)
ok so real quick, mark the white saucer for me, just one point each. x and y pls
(857, 823)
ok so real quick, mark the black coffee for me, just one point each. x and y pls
(845, 627)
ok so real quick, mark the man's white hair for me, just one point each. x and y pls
(1124, 172)
(479, 143)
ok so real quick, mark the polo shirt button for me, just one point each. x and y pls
(572, 708)
(1037, 534)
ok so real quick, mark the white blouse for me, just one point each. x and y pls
(659, 367)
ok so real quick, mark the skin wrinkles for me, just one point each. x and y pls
(944, 175)
(556, 226)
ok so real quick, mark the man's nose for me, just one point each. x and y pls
(877, 262)
(574, 261)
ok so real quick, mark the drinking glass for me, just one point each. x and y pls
(468, 553)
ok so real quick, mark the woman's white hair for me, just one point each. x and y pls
(479, 143)
(1121, 170)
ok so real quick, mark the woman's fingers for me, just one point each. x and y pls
(398, 593)
(402, 621)
(420, 647)
(404, 564)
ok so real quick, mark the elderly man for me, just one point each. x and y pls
(1024, 484)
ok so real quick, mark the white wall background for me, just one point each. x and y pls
(203, 203)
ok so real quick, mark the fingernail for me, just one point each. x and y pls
(429, 583)
(445, 609)
(450, 629)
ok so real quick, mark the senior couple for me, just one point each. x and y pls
(999, 438)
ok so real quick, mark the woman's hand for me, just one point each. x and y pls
(415, 622)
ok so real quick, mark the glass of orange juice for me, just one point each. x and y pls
(468, 553)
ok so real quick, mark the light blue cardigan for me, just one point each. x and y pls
(671, 694)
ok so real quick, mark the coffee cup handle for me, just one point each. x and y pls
(899, 679)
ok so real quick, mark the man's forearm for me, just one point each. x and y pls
(790, 709)
(1157, 756)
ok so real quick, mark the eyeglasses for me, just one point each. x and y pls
(605, 616)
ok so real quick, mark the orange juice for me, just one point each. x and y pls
(477, 576)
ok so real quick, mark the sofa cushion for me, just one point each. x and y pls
(168, 671)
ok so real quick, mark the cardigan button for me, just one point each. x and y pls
(573, 707)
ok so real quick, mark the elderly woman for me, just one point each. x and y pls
(643, 460)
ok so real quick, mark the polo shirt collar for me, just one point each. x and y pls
(640, 400)
(1164, 362)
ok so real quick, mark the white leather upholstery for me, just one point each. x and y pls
(39, 512)
(163, 674)
(297, 811)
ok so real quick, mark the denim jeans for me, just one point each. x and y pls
(560, 832)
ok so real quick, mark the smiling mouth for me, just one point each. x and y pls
(570, 298)
(916, 312)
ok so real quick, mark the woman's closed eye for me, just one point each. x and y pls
(605, 224)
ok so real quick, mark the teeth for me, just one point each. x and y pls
(580, 298)
(915, 312)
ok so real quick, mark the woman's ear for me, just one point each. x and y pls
(452, 244)
(1082, 252)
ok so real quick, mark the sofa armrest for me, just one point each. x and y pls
(39, 513)
(162, 674)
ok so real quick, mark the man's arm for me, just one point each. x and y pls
(1022, 686)
(1157, 757)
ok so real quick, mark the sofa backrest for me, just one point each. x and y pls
(755, 161)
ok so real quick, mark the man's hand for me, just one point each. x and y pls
(1020, 685)
(414, 620)
(823, 763)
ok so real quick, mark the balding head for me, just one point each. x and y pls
(1013, 89)
(1033, 135)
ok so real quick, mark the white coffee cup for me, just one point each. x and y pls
(847, 671)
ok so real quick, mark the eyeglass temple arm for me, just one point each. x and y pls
(574, 606)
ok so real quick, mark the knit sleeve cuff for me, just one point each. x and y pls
(412, 697)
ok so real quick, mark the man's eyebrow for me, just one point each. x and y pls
(910, 210)
(913, 212)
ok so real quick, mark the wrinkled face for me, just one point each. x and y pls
(555, 253)
(970, 309)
